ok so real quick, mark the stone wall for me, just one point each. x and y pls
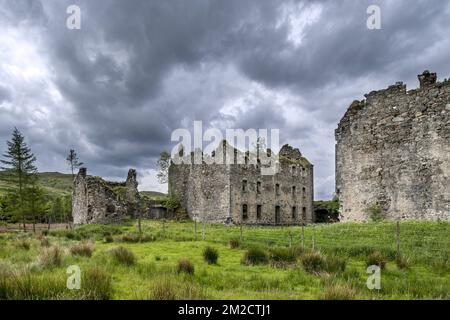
(393, 153)
(216, 192)
(95, 200)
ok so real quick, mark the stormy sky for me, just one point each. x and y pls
(136, 70)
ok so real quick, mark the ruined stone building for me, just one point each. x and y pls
(239, 193)
(95, 200)
(393, 153)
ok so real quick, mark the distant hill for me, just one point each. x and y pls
(152, 194)
(57, 184)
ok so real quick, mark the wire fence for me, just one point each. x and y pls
(418, 240)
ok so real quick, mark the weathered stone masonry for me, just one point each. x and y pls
(95, 200)
(393, 151)
(238, 193)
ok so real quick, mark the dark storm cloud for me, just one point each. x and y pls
(139, 69)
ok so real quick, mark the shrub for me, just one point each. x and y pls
(314, 262)
(82, 249)
(374, 212)
(148, 238)
(22, 244)
(377, 259)
(282, 256)
(234, 243)
(402, 262)
(184, 265)
(109, 239)
(210, 255)
(255, 256)
(96, 284)
(123, 256)
(51, 257)
(338, 291)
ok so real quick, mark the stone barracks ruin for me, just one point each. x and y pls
(239, 193)
(393, 153)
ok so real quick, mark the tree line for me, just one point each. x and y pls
(25, 200)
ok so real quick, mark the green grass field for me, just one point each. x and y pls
(31, 267)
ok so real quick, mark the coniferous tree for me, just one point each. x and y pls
(20, 169)
(73, 161)
(35, 204)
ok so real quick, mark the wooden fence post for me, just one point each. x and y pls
(195, 228)
(242, 236)
(303, 236)
(398, 239)
(314, 239)
(204, 230)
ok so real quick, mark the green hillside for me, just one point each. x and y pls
(58, 184)
(55, 184)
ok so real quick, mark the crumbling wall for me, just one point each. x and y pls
(95, 200)
(393, 153)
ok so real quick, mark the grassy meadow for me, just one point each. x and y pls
(170, 261)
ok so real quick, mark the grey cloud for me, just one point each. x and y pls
(139, 69)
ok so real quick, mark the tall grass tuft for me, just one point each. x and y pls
(255, 256)
(168, 287)
(22, 244)
(335, 264)
(210, 255)
(377, 259)
(282, 257)
(185, 266)
(84, 249)
(234, 243)
(402, 262)
(51, 257)
(123, 256)
(338, 291)
(96, 284)
(314, 262)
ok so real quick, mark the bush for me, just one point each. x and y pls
(22, 244)
(255, 256)
(234, 243)
(314, 262)
(377, 259)
(96, 284)
(210, 255)
(374, 213)
(84, 249)
(282, 256)
(184, 265)
(51, 258)
(123, 256)
(109, 239)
